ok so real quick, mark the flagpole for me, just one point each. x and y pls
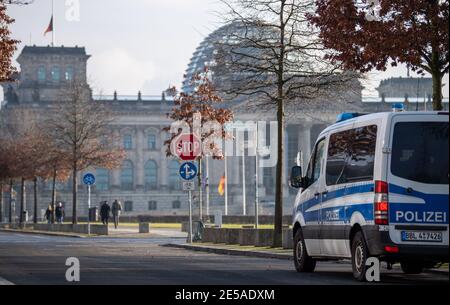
(207, 186)
(53, 20)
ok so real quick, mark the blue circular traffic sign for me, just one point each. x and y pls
(89, 179)
(188, 171)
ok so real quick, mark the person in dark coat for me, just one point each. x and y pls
(60, 213)
(48, 214)
(104, 212)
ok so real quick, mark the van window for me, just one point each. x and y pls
(351, 155)
(420, 152)
(314, 166)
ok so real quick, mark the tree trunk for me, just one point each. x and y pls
(22, 201)
(53, 196)
(74, 196)
(1, 202)
(437, 90)
(11, 190)
(35, 218)
(278, 221)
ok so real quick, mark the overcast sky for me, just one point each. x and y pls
(135, 44)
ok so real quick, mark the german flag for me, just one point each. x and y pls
(221, 188)
(50, 27)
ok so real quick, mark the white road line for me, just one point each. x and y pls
(4, 282)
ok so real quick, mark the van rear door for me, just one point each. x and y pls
(418, 178)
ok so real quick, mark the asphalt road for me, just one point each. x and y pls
(34, 259)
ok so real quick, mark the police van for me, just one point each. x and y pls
(376, 186)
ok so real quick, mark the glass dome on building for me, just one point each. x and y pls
(205, 52)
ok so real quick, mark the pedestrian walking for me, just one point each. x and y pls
(60, 213)
(104, 212)
(48, 214)
(116, 210)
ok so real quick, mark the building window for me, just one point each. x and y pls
(55, 74)
(151, 140)
(127, 142)
(128, 206)
(42, 77)
(102, 180)
(127, 176)
(174, 176)
(151, 175)
(68, 76)
(152, 205)
(176, 204)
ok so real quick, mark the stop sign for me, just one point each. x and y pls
(187, 147)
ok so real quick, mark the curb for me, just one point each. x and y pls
(230, 251)
(259, 254)
(438, 271)
(43, 233)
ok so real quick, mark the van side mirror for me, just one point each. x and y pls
(296, 180)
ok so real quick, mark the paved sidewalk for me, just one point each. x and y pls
(26, 231)
(121, 232)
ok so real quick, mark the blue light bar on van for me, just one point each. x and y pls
(348, 116)
(398, 107)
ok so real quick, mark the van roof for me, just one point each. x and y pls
(378, 115)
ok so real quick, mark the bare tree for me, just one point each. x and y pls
(205, 102)
(272, 57)
(81, 131)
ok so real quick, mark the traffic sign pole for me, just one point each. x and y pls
(89, 210)
(89, 180)
(190, 218)
(188, 171)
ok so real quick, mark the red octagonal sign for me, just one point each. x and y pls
(187, 147)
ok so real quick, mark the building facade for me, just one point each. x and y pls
(148, 182)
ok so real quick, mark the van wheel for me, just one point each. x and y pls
(303, 262)
(360, 254)
(411, 267)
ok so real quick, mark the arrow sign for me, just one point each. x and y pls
(188, 171)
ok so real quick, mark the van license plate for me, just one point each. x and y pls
(422, 236)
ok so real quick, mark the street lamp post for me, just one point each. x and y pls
(207, 186)
(244, 197)
(256, 178)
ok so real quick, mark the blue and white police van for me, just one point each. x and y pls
(377, 185)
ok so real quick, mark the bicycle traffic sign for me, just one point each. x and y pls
(89, 179)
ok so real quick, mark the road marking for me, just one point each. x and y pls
(4, 282)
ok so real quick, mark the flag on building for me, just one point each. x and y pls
(50, 27)
(221, 188)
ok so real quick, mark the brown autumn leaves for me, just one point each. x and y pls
(73, 135)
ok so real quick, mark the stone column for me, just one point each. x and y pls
(139, 163)
(163, 173)
(115, 174)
